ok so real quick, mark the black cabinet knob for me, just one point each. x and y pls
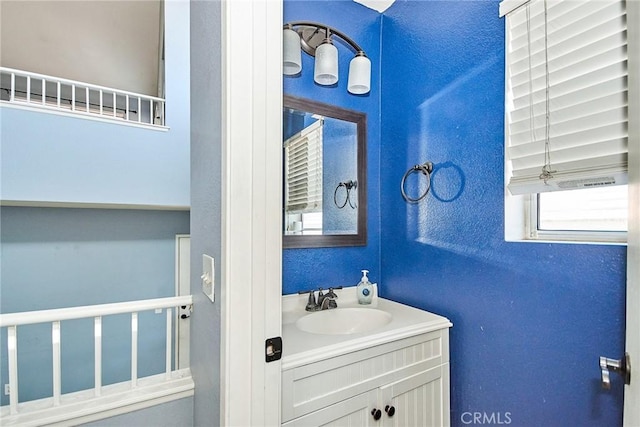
(377, 413)
(390, 410)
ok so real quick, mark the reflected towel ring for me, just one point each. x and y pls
(426, 169)
(348, 185)
(335, 195)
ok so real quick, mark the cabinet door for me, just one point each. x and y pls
(419, 400)
(355, 411)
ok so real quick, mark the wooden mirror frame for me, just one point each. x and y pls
(360, 119)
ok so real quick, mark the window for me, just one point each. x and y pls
(566, 118)
(312, 223)
(597, 209)
(595, 215)
(303, 180)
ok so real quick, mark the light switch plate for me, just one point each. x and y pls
(208, 276)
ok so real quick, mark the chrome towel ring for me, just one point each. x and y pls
(426, 169)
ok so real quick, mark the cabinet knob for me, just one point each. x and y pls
(377, 413)
(390, 410)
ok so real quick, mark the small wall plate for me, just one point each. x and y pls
(208, 277)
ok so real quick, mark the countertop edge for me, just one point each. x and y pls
(350, 346)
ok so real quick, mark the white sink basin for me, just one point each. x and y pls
(343, 321)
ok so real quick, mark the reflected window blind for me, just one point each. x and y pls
(303, 170)
(586, 61)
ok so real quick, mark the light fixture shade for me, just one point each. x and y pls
(326, 67)
(291, 53)
(359, 75)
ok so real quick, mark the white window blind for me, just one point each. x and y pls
(569, 63)
(303, 170)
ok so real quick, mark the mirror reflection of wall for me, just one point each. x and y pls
(341, 165)
(320, 155)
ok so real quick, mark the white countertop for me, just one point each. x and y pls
(301, 348)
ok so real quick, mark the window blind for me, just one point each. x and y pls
(569, 63)
(303, 170)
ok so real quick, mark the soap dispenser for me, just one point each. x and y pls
(364, 289)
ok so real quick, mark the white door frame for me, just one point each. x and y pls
(251, 211)
(183, 287)
(632, 392)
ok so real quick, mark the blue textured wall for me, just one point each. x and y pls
(56, 258)
(530, 319)
(339, 164)
(304, 269)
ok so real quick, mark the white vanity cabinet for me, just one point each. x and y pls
(409, 377)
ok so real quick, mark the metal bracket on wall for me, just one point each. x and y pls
(185, 311)
(621, 366)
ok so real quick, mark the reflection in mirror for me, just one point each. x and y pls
(324, 175)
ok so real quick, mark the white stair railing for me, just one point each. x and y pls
(12, 321)
(54, 93)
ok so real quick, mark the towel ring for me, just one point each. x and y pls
(426, 169)
(348, 186)
(335, 195)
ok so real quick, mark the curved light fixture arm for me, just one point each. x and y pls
(328, 30)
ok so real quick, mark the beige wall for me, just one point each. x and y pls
(108, 43)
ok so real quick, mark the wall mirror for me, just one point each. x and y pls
(324, 175)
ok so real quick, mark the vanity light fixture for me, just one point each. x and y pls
(316, 40)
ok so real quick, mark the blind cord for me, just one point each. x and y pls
(547, 172)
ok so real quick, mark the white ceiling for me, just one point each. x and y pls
(109, 43)
(379, 5)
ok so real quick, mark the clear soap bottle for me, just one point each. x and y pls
(364, 289)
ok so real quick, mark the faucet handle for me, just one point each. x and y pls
(331, 294)
(311, 303)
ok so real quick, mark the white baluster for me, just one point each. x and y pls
(97, 337)
(168, 341)
(73, 97)
(12, 347)
(134, 348)
(28, 88)
(86, 94)
(114, 104)
(13, 87)
(55, 340)
(151, 114)
(101, 103)
(58, 91)
(44, 91)
(127, 107)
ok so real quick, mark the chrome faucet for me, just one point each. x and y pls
(325, 301)
(328, 301)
